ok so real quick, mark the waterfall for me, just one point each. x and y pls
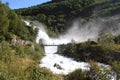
(63, 64)
(56, 63)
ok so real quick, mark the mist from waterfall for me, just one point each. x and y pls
(78, 32)
(82, 32)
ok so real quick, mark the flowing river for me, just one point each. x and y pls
(56, 63)
(65, 65)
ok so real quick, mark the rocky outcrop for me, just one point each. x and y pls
(58, 66)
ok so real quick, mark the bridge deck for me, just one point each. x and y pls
(50, 45)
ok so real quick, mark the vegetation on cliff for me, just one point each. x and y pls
(58, 14)
(106, 50)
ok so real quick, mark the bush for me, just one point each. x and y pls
(76, 75)
(9, 36)
(117, 39)
(20, 51)
(98, 72)
(41, 74)
(2, 38)
(116, 68)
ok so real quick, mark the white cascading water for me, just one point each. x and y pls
(65, 64)
(50, 59)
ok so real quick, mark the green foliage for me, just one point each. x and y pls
(106, 41)
(56, 13)
(20, 50)
(41, 74)
(57, 0)
(41, 17)
(102, 51)
(10, 24)
(116, 68)
(19, 63)
(50, 13)
(76, 75)
(117, 39)
(2, 38)
(106, 38)
(4, 22)
(97, 72)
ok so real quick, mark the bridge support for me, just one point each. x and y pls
(43, 46)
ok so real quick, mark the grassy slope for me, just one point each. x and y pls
(22, 63)
(18, 61)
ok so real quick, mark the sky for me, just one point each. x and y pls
(15, 4)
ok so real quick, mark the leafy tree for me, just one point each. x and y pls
(41, 17)
(4, 22)
(14, 20)
(57, 0)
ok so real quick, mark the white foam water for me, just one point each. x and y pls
(54, 62)
(67, 64)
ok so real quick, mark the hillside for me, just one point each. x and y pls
(58, 14)
(19, 54)
(11, 26)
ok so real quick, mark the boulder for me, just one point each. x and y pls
(58, 66)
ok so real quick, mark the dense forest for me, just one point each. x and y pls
(57, 15)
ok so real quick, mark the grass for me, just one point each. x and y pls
(22, 63)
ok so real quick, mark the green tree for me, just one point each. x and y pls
(57, 0)
(13, 21)
(4, 22)
(41, 17)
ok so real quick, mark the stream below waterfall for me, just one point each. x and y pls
(64, 65)
(56, 63)
(59, 64)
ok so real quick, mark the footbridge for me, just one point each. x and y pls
(45, 45)
(50, 45)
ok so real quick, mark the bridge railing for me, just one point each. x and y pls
(51, 44)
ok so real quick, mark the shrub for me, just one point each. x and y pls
(117, 39)
(76, 75)
(116, 67)
(98, 72)
(2, 38)
(20, 51)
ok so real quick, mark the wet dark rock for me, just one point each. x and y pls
(93, 43)
(58, 66)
